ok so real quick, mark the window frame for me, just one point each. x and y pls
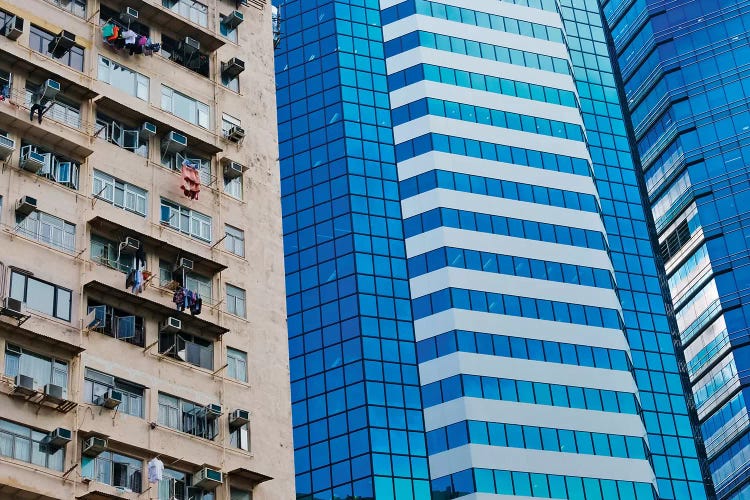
(234, 295)
(186, 217)
(237, 364)
(56, 290)
(108, 183)
(233, 241)
(200, 110)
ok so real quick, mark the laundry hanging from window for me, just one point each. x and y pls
(120, 37)
(191, 180)
(188, 299)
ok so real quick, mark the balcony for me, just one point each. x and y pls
(65, 339)
(153, 13)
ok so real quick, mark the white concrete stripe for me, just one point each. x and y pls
(508, 245)
(539, 461)
(509, 412)
(484, 99)
(476, 33)
(485, 204)
(471, 279)
(530, 328)
(499, 8)
(488, 133)
(495, 170)
(468, 363)
(463, 62)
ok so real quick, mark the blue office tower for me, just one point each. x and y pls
(684, 70)
(471, 279)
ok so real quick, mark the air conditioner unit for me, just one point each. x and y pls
(183, 263)
(233, 170)
(24, 384)
(239, 418)
(148, 129)
(170, 325)
(130, 245)
(236, 133)
(26, 205)
(213, 411)
(13, 308)
(59, 437)
(233, 19)
(50, 88)
(54, 391)
(7, 146)
(174, 142)
(190, 46)
(93, 446)
(207, 479)
(110, 399)
(129, 15)
(62, 43)
(232, 67)
(31, 160)
(13, 27)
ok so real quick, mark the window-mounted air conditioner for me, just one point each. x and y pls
(233, 19)
(26, 205)
(130, 245)
(183, 263)
(13, 308)
(62, 43)
(110, 399)
(190, 46)
(170, 325)
(50, 88)
(213, 411)
(24, 384)
(233, 170)
(7, 146)
(93, 446)
(232, 68)
(129, 15)
(59, 437)
(207, 479)
(13, 27)
(31, 160)
(174, 142)
(236, 133)
(148, 129)
(238, 418)
(54, 391)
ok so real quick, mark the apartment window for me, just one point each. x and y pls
(175, 485)
(229, 33)
(227, 122)
(185, 220)
(129, 81)
(122, 135)
(235, 494)
(108, 14)
(40, 39)
(190, 9)
(236, 301)
(75, 7)
(232, 83)
(173, 161)
(240, 437)
(186, 416)
(236, 364)
(114, 469)
(120, 193)
(184, 55)
(61, 110)
(96, 384)
(48, 229)
(233, 186)
(235, 240)
(41, 296)
(28, 445)
(185, 107)
(201, 285)
(57, 168)
(116, 323)
(43, 369)
(188, 348)
(107, 253)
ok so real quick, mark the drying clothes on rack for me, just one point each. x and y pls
(188, 299)
(191, 181)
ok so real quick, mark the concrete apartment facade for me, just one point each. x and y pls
(98, 379)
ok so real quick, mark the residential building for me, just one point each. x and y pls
(143, 348)
(684, 78)
(462, 213)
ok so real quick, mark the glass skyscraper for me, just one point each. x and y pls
(684, 68)
(474, 303)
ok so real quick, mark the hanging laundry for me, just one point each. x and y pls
(195, 307)
(140, 257)
(155, 470)
(138, 282)
(130, 279)
(191, 182)
(179, 298)
(108, 30)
